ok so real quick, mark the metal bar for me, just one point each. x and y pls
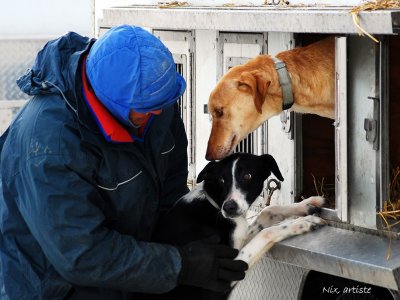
(255, 19)
(341, 173)
(383, 163)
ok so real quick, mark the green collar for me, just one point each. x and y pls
(285, 82)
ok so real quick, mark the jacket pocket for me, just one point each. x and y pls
(169, 148)
(112, 185)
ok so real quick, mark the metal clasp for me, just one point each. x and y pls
(272, 186)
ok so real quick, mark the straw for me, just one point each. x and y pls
(369, 6)
(172, 4)
(391, 207)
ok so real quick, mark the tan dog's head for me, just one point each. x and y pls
(245, 97)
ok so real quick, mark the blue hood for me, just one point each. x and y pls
(55, 66)
(129, 68)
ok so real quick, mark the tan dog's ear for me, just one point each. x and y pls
(258, 86)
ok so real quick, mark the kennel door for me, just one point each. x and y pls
(181, 44)
(363, 149)
(341, 173)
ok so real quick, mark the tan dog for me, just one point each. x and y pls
(249, 94)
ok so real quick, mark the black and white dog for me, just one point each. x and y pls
(220, 205)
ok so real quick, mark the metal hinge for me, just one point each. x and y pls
(287, 122)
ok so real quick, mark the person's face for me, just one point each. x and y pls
(140, 119)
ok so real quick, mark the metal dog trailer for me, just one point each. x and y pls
(349, 159)
(347, 259)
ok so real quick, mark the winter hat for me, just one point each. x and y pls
(129, 68)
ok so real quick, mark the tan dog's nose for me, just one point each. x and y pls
(215, 152)
(212, 148)
(210, 155)
(218, 151)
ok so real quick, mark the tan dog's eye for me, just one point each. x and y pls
(219, 112)
(243, 86)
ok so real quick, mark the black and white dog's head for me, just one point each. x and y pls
(235, 182)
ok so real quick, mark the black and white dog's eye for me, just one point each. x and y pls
(247, 177)
(221, 180)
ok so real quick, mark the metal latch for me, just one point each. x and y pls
(371, 126)
(371, 129)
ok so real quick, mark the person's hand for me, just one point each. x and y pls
(209, 265)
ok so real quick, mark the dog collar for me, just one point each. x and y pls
(285, 82)
(211, 200)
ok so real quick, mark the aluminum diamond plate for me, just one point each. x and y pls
(270, 279)
(17, 55)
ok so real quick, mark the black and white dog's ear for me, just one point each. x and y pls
(272, 166)
(206, 171)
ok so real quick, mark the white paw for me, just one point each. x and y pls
(312, 205)
(306, 224)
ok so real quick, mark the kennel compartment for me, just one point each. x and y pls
(322, 142)
(318, 156)
(361, 171)
(317, 148)
(348, 155)
(389, 204)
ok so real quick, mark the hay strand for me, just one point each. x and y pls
(320, 187)
(370, 6)
(390, 237)
(391, 207)
(172, 4)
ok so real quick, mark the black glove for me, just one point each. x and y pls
(209, 265)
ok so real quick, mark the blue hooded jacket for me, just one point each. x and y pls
(76, 210)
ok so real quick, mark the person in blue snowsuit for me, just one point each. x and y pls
(88, 166)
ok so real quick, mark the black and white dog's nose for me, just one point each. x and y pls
(230, 207)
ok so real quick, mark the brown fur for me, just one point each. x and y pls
(249, 94)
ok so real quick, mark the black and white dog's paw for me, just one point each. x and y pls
(268, 237)
(304, 224)
(312, 205)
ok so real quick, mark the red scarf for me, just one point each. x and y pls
(111, 128)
